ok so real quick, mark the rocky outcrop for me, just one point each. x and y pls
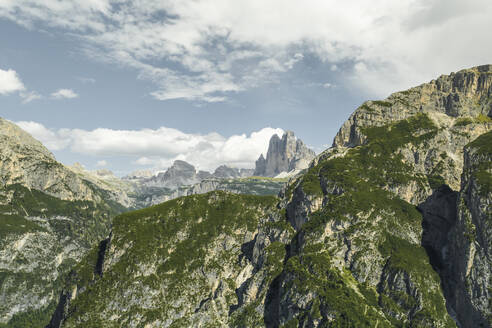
(464, 94)
(247, 186)
(179, 174)
(226, 172)
(284, 155)
(460, 106)
(138, 175)
(25, 161)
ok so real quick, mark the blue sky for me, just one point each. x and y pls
(137, 84)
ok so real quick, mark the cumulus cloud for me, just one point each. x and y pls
(206, 49)
(64, 94)
(10, 82)
(48, 137)
(158, 148)
(29, 96)
(102, 163)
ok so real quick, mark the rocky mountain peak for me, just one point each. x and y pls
(12, 135)
(227, 172)
(464, 94)
(179, 174)
(138, 174)
(25, 161)
(458, 105)
(284, 155)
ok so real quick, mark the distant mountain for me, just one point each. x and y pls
(227, 172)
(182, 173)
(284, 155)
(179, 174)
(139, 174)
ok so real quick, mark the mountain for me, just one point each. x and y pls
(179, 174)
(391, 227)
(226, 172)
(50, 217)
(139, 174)
(182, 173)
(25, 161)
(182, 179)
(284, 155)
(249, 186)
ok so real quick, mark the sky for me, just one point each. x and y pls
(129, 85)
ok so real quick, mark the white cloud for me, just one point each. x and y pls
(102, 163)
(160, 147)
(64, 94)
(10, 82)
(86, 80)
(206, 49)
(29, 96)
(49, 138)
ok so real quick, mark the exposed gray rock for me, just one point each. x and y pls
(179, 174)
(25, 161)
(284, 155)
(457, 95)
(470, 241)
(227, 172)
(50, 215)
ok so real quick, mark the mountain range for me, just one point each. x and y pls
(144, 188)
(389, 227)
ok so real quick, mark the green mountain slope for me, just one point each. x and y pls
(49, 219)
(388, 228)
(178, 263)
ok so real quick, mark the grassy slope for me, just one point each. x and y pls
(380, 229)
(173, 242)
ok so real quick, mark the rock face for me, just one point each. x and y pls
(182, 173)
(456, 102)
(50, 216)
(179, 174)
(226, 172)
(469, 257)
(247, 186)
(284, 155)
(139, 174)
(25, 161)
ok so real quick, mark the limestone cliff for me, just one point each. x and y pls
(469, 254)
(179, 174)
(226, 172)
(25, 161)
(284, 155)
